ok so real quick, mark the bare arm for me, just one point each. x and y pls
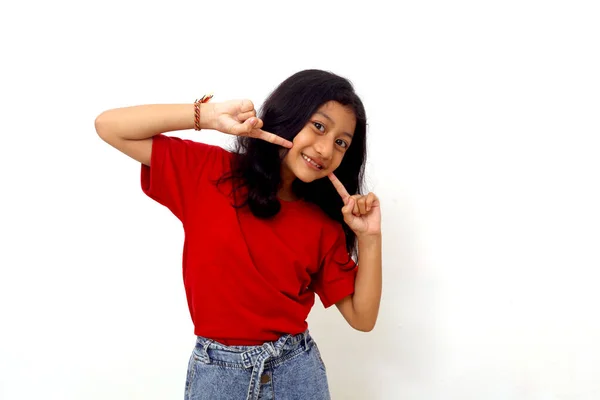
(363, 216)
(362, 308)
(145, 121)
(130, 129)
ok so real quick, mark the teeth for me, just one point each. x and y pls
(311, 161)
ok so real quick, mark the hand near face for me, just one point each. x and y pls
(362, 213)
(238, 117)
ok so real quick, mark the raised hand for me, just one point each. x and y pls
(361, 212)
(238, 117)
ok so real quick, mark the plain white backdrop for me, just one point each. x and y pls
(483, 147)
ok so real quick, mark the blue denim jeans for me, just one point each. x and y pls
(287, 369)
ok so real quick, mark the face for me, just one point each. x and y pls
(320, 146)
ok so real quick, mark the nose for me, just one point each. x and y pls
(325, 148)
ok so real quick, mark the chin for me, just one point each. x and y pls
(309, 176)
(307, 180)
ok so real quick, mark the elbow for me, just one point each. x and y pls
(365, 326)
(105, 125)
(100, 125)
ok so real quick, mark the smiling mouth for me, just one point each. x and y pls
(312, 162)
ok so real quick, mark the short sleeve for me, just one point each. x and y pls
(336, 276)
(176, 168)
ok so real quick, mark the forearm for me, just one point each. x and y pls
(367, 287)
(144, 121)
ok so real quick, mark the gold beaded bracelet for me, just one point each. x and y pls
(204, 99)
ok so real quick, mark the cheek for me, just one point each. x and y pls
(291, 155)
(302, 138)
(338, 158)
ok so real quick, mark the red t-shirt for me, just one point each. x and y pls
(247, 280)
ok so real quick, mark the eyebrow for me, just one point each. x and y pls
(333, 122)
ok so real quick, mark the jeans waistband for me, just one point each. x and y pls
(256, 357)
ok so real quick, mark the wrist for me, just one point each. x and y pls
(207, 113)
(369, 239)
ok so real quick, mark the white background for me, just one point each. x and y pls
(483, 147)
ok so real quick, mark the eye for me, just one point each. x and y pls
(342, 143)
(319, 126)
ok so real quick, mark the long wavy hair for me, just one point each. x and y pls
(257, 165)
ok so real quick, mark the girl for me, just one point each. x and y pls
(266, 226)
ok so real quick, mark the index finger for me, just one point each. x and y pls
(339, 186)
(271, 138)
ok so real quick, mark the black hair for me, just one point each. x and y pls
(257, 165)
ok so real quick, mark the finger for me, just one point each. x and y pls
(371, 199)
(246, 106)
(271, 138)
(347, 209)
(245, 115)
(362, 205)
(339, 186)
(355, 209)
(245, 128)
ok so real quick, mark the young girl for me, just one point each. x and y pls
(266, 226)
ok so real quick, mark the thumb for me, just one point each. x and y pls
(246, 127)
